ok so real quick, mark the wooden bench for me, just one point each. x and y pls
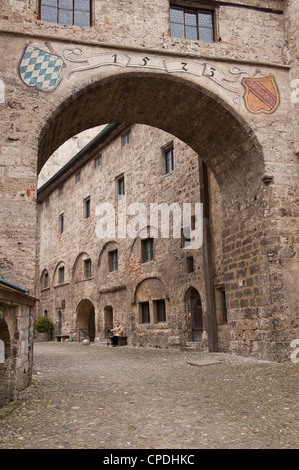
(122, 340)
(61, 338)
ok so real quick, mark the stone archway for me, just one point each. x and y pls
(226, 142)
(85, 320)
(212, 128)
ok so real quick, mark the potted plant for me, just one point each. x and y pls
(44, 325)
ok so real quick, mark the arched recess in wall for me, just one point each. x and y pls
(142, 247)
(82, 268)
(44, 279)
(109, 262)
(60, 275)
(151, 301)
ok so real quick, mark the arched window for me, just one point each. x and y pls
(45, 279)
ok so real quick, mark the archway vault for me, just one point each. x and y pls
(185, 109)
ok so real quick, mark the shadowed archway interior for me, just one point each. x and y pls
(177, 106)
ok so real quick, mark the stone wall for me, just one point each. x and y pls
(16, 334)
(141, 162)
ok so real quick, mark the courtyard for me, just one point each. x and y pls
(98, 397)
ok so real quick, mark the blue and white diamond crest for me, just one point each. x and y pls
(41, 69)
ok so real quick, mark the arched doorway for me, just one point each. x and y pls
(196, 316)
(85, 323)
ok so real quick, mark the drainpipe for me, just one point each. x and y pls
(208, 257)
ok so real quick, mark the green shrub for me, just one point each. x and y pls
(44, 325)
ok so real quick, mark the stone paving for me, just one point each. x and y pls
(98, 397)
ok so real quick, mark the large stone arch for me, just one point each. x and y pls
(225, 141)
(194, 114)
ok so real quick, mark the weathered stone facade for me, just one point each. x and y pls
(16, 341)
(93, 301)
(234, 101)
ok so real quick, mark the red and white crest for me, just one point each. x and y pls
(261, 94)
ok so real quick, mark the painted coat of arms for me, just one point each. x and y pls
(40, 68)
(261, 94)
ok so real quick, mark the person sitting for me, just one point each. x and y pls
(117, 332)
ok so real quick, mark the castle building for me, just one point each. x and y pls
(146, 269)
(221, 76)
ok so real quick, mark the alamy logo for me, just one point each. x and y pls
(162, 220)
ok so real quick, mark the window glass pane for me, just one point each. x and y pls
(49, 3)
(191, 33)
(65, 17)
(98, 161)
(190, 19)
(87, 264)
(68, 4)
(61, 275)
(169, 161)
(82, 18)
(176, 15)
(82, 5)
(49, 14)
(87, 208)
(145, 313)
(205, 19)
(177, 30)
(121, 188)
(127, 138)
(205, 34)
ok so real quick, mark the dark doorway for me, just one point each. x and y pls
(196, 316)
(108, 320)
(85, 320)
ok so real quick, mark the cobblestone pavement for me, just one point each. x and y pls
(97, 397)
